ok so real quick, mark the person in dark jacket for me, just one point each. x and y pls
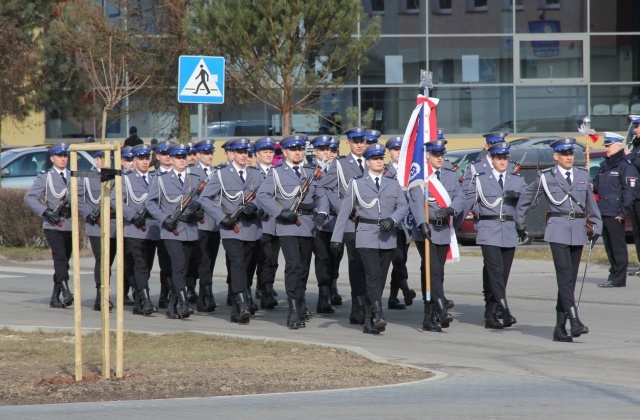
(133, 139)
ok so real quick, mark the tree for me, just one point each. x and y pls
(284, 53)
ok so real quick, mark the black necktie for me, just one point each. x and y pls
(64, 178)
(568, 177)
(360, 165)
(144, 178)
(180, 178)
(438, 175)
(378, 183)
(206, 172)
(500, 182)
(297, 170)
(241, 176)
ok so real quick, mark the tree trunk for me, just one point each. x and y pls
(184, 123)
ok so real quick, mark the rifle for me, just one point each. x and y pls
(185, 202)
(142, 212)
(61, 205)
(385, 169)
(456, 165)
(519, 164)
(304, 188)
(95, 215)
(238, 211)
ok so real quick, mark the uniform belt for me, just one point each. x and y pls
(332, 213)
(368, 221)
(571, 215)
(301, 212)
(65, 214)
(502, 218)
(437, 222)
(187, 218)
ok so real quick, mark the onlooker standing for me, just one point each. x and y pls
(634, 157)
(133, 139)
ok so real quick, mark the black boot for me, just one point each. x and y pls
(55, 301)
(577, 327)
(377, 318)
(67, 296)
(97, 304)
(336, 299)
(303, 310)
(492, 320)
(200, 305)
(394, 302)
(183, 308)
(267, 301)
(163, 299)
(507, 319)
(253, 308)
(192, 296)
(137, 305)
(243, 308)
(206, 301)
(127, 300)
(448, 303)
(324, 301)
(293, 319)
(560, 332)
(258, 292)
(430, 322)
(357, 310)
(368, 326)
(444, 316)
(146, 304)
(409, 294)
(172, 302)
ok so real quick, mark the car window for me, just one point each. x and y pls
(594, 166)
(28, 164)
(83, 163)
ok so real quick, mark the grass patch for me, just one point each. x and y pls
(598, 255)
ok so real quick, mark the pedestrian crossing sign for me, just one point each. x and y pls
(200, 79)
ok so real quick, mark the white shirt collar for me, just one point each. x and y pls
(356, 158)
(497, 174)
(238, 169)
(563, 172)
(265, 168)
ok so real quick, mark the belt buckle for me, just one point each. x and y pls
(502, 217)
(378, 221)
(572, 215)
(439, 222)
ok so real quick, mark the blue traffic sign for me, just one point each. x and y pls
(200, 79)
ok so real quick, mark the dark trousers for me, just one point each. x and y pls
(208, 246)
(297, 251)
(497, 261)
(356, 270)
(180, 255)
(129, 273)
(324, 260)
(376, 264)
(616, 246)
(60, 243)
(566, 259)
(268, 251)
(143, 253)
(95, 248)
(399, 259)
(239, 255)
(437, 259)
(163, 260)
(635, 222)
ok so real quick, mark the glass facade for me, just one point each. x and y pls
(525, 66)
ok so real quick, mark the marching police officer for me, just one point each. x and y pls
(336, 298)
(52, 187)
(634, 157)
(571, 204)
(615, 184)
(129, 277)
(493, 195)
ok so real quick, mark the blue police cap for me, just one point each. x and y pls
(140, 150)
(610, 138)
(436, 146)
(192, 147)
(440, 134)
(238, 143)
(563, 144)
(395, 141)
(324, 140)
(356, 132)
(265, 143)
(295, 140)
(376, 149)
(501, 148)
(90, 139)
(372, 136)
(635, 121)
(58, 148)
(178, 149)
(495, 137)
(125, 152)
(204, 145)
(334, 144)
(163, 146)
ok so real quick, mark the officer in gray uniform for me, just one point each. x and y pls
(224, 198)
(295, 227)
(379, 205)
(571, 205)
(493, 196)
(141, 231)
(437, 230)
(129, 278)
(50, 192)
(336, 298)
(165, 196)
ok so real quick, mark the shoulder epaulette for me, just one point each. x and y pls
(479, 173)
(583, 168)
(515, 173)
(160, 173)
(448, 169)
(342, 157)
(220, 166)
(358, 177)
(44, 171)
(546, 170)
(475, 161)
(390, 177)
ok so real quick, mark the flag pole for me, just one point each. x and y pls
(586, 121)
(426, 84)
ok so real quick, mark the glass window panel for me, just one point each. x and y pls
(551, 59)
(611, 106)
(615, 15)
(615, 58)
(571, 16)
(450, 17)
(471, 60)
(395, 61)
(398, 16)
(554, 109)
(60, 124)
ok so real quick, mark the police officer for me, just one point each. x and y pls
(571, 204)
(192, 156)
(192, 270)
(493, 196)
(294, 227)
(399, 273)
(165, 196)
(336, 298)
(126, 158)
(379, 205)
(446, 200)
(615, 184)
(52, 187)
(634, 157)
(372, 136)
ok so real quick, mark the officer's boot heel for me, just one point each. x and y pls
(507, 319)
(577, 327)
(409, 294)
(560, 331)
(183, 308)
(67, 296)
(368, 326)
(444, 315)
(492, 321)
(55, 301)
(293, 320)
(430, 321)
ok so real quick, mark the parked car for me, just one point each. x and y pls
(542, 125)
(21, 166)
(468, 155)
(241, 128)
(540, 141)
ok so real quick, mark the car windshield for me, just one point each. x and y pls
(6, 156)
(518, 141)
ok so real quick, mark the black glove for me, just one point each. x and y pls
(425, 230)
(288, 216)
(227, 223)
(200, 214)
(387, 224)
(335, 248)
(53, 218)
(259, 214)
(443, 213)
(511, 194)
(249, 209)
(169, 224)
(193, 206)
(319, 219)
(522, 232)
(138, 220)
(593, 238)
(92, 219)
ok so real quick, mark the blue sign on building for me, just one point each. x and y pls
(201, 80)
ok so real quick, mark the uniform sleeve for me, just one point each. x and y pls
(402, 206)
(471, 197)
(266, 198)
(210, 195)
(528, 199)
(628, 189)
(84, 208)
(458, 200)
(33, 195)
(343, 215)
(593, 213)
(416, 205)
(153, 201)
(321, 200)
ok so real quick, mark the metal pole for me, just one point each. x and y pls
(585, 273)
(426, 85)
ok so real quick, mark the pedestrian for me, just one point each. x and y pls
(133, 139)
(571, 205)
(615, 185)
(634, 156)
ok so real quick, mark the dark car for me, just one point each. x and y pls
(462, 157)
(540, 141)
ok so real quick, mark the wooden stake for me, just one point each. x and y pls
(119, 270)
(75, 252)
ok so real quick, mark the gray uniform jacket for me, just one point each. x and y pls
(89, 190)
(342, 170)
(165, 196)
(209, 225)
(485, 191)
(283, 179)
(440, 235)
(369, 203)
(562, 230)
(45, 188)
(268, 222)
(134, 194)
(225, 193)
